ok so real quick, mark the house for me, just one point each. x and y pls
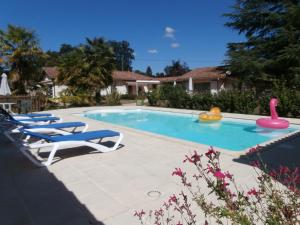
(211, 79)
(131, 83)
(50, 74)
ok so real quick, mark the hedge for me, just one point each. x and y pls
(232, 101)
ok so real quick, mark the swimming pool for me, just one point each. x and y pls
(231, 134)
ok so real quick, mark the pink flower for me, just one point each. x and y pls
(253, 192)
(228, 175)
(273, 173)
(159, 212)
(209, 169)
(193, 159)
(219, 175)
(173, 198)
(178, 172)
(179, 223)
(210, 152)
(253, 150)
(283, 170)
(139, 214)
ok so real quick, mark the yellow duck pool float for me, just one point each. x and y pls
(213, 115)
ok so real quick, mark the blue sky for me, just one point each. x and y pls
(158, 30)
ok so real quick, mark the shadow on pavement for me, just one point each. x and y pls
(283, 153)
(34, 196)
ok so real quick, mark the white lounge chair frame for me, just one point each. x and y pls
(8, 133)
(26, 147)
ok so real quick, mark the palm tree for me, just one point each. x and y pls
(88, 68)
(20, 51)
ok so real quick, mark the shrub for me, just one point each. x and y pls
(203, 101)
(169, 95)
(128, 97)
(268, 202)
(176, 96)
(113, 99)
(232, 101)
(78, 100)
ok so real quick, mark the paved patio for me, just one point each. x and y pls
(84, 187)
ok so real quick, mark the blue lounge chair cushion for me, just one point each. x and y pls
(57, 125)
(35, 114)
(86, 136)
(39, 119)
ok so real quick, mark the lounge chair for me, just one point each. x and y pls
(32, 115)
(24, 116)
(58, 128)
(28, 120)
(56, 142)
(35, 120)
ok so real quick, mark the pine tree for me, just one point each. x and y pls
(149, 71)
(271, 51)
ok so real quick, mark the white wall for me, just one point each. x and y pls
(57, 89)
(105, 91)
(121, 89)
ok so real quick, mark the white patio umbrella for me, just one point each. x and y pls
(174, 84)
(190, 84)
(4, 88)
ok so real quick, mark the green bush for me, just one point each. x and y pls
(128, 97)
(78, 100)
(202, 101)
(113, 99)
(153, 97)
(232, 101)
(176, 96)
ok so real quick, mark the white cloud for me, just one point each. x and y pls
(175, 45)
(170, 32)
(152, 51)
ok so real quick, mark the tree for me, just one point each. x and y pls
(65, 49)
(123, 54)
(20, 51)
(271, 51)
(149, 71)
(88, 68)
(54, 57)
(140, 72)
(176, 69)
(160, 74)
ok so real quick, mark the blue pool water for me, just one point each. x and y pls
(231, 134)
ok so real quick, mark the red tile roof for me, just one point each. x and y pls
(51, 72)
(206, 73)
(199, 74)
(129, 76)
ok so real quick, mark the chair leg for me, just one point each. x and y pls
(51, 155)
(85, 128)
(118, 142)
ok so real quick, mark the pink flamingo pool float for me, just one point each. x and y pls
(274, 122)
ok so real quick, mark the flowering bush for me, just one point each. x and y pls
(269, 202)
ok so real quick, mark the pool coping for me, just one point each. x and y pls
(263, 145)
